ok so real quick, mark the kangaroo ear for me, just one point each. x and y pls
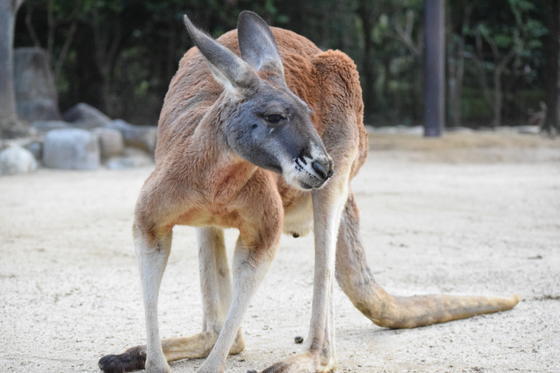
(230, 70)
(257, 44)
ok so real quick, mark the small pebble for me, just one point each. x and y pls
(252, 371)
(298, 340)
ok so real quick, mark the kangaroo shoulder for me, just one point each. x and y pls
(336, 69)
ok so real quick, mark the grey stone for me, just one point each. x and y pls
(73, 148)
(16, 160)
(110, 142)
(142, 137)
(86, 116)
(44, 126)
(131, 158)
(529, 130)
(36, 95)
(36, 148)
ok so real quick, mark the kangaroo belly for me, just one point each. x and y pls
(298, 218)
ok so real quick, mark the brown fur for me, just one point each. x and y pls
(194, 182)
(198, 181)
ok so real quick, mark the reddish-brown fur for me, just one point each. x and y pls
(194, 183)
(200, 181)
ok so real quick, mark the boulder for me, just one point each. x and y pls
(529, 130)
(45, 126)
(35, 90)
(36, 148)
(73, 148)
(142, 137)
(16, 160)
(110, 142)
(86, 116)
(131, 158)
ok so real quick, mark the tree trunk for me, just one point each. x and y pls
(10, 125)
(456, 64)
(552, 66)
(434, 67)
(365, 14)
(385, 96)
(8, 113)
(498, 98)
(498, 90)
(87, 82)
(456, 74)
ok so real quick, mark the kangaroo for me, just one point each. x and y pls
(262, 131)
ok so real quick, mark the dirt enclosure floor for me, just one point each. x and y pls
(466, 214)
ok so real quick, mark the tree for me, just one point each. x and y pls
(10, 125)
(458, 19)
(366, 13)
(120, 55)
(501, 42)
(434, 68)
(552, 121)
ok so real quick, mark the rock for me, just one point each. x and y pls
(36, 95)
(16, 160)
(86, 116)
(529, 130)
(73, 148)
(110, 142)
(36, 148)
(142, 137)
(132, 158)
(14, 128)
(45, 126)
(20, 141)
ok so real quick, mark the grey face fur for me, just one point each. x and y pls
(269, 125)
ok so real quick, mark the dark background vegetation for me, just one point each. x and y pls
(120, 55)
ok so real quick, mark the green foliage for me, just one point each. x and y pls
(120, 54)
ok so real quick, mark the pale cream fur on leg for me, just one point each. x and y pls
(250, 265)
(328, 204)
(152, 260)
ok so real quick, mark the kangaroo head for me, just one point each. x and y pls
(267, 124)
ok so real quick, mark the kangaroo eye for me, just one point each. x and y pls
(274, 118)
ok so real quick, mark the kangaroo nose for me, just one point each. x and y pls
(323, 169)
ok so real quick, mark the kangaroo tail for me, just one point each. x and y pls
(356, 280)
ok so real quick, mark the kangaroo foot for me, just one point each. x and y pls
(194, 347)
(308, 362)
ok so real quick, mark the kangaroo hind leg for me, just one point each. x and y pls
(152, 252)
(215, 283)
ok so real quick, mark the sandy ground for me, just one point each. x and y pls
(468, 214)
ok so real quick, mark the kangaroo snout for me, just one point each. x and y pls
(323, 168)
(312, 170)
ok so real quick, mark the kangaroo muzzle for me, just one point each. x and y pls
(312, 168)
